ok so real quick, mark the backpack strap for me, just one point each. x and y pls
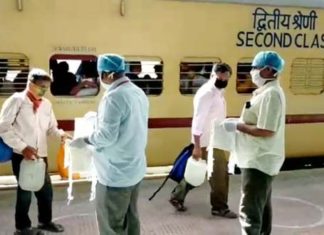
(189, 147)
(161, 186)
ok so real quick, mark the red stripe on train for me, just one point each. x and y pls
(68, 125)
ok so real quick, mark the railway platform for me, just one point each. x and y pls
(298, 203)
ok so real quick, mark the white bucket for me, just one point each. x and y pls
(195, 172)
(32, 174)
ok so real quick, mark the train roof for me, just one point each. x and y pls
(291, 3)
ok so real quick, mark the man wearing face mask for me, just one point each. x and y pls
(26, 119)
(119, 141)
(260, 143)
(209, 107)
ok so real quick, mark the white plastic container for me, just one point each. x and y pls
(32, 174)
(195, 172)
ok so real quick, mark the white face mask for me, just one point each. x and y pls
(106, 86)
(257, 79)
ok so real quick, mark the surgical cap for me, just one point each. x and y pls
(269, 59)
(110, 63)
(35, 72)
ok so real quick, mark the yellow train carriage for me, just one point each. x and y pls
(170, 46)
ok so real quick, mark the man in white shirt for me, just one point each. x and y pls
(260, 147)
(119, 141)
(26, 119)
(209, 107)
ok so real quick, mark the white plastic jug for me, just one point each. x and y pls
(195, 172)
(32, 174)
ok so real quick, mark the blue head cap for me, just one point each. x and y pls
(110, 63)
(269, 59)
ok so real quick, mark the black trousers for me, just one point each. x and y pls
(44, 198)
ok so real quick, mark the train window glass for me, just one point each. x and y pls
(194, 72)
(14, 69)
(307, 76)
(146, 74)
(244, 82)
(74, 75)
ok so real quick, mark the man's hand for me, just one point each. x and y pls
(196, 153)
(29, 153)
(78, 143)
(88, 83)
(64, 137)
(230, 124)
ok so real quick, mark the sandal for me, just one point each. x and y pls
(178, 205)
(51, 227)
(29, 231)
(227, 213)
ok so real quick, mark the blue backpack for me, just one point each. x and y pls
(5, 152)
(178, 169)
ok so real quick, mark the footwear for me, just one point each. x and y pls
(178, 205)
(227, 213)
(29, 231)
(51, 227)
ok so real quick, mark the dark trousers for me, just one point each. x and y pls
(44, 198)
(116, 210)
(255, 208)
(218, 182)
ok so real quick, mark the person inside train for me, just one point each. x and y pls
(190, 78)
(21, 80)
(209, 106)
(119, 141)
(3, 70)
(186, 76)
(7, 69)
(64, 81)
(26, 119)
(260, 148)
(87, 82)
(156, 83)
(135, 68)
(208, 67)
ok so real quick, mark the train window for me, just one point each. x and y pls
(194, 72)
(244, 82)
(146, 74)
(74, 75)
(307, 76)
(14, 69)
